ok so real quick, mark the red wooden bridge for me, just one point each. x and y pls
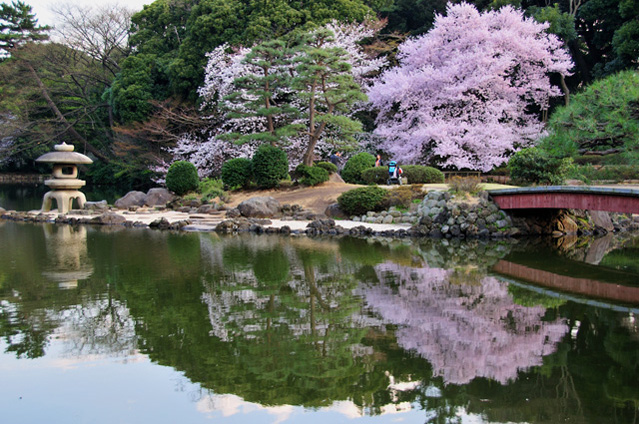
(621, 200)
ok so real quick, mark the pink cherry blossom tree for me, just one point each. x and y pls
(467, 94)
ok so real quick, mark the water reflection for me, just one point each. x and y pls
(272, 329)
(67, 254)
(465, 329)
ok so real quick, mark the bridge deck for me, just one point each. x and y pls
(622, 200)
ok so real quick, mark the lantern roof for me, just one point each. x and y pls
(64, 154)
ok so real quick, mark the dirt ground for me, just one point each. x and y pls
(315, 199)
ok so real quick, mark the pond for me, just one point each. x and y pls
(114, 325)
(26, 197)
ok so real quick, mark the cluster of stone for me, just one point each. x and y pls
(441, 214)
(254, 225)
(391, 216)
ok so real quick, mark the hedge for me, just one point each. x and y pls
(352, 171)
(270, 166)
(236, 172)
(361, 200)
(182, 177)
(415, 174)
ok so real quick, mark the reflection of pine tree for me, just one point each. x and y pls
(291, 318)
(464, 330)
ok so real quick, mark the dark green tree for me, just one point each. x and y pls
(259, 95)
(18, 25)
(327, 90)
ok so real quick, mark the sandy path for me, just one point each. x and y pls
(315, 198)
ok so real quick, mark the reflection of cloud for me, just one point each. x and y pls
(464, 330)
(229, 405)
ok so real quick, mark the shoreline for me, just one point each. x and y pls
(197, 222)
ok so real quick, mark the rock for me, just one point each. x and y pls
(502, 223)
(132, 198)
(109, 218)
(601, 220)
(158, 196)
(567, 225)
(207, 209)
(96, 206)
(388, 219)
(333, 211)
(260, 207)
(233, 213)
(2, 210)
(160, 224)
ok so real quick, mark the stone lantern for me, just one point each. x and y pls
(64, 184)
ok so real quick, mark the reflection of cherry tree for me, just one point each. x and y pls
(464, 330)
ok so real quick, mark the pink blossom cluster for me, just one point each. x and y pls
(467, 93)
(465, 330)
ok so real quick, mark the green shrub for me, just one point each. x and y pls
(376, 175)
(536, 166)
(211, 188)
(270, 166)
(419, 174)
(236, 172)
(182, 177)
(329, 166)
(352, 172)
(311, 175)
(361, 200)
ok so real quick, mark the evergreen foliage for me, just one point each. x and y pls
(236, 172)
(361, 200)
(352, 171)
(18, 25)
(270, 166)
(420, 174)
(603, 118)
(311, 175)
(182, 177)
(536, 166)
(328, 166)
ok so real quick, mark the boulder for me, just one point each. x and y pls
(109, 218)
(334, 211)
(2, 210)
(96, 206)
(260, 207)
(601, 220)
(160, 224)
(132, 198)
(158, 196)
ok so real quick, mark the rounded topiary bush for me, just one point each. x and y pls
(311, 175)
(330, 167)
(361, 200)
(377, 175)
(236, 172)
(270, 166)
(419, 174)
(536, 166)
(182, 177)
(352, 172)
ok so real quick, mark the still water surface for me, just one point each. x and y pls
(113, 325)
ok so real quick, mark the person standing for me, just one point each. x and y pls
(378, 161)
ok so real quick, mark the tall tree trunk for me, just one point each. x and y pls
(60, 116)
(564, 88)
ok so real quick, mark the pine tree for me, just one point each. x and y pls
(18, 25)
